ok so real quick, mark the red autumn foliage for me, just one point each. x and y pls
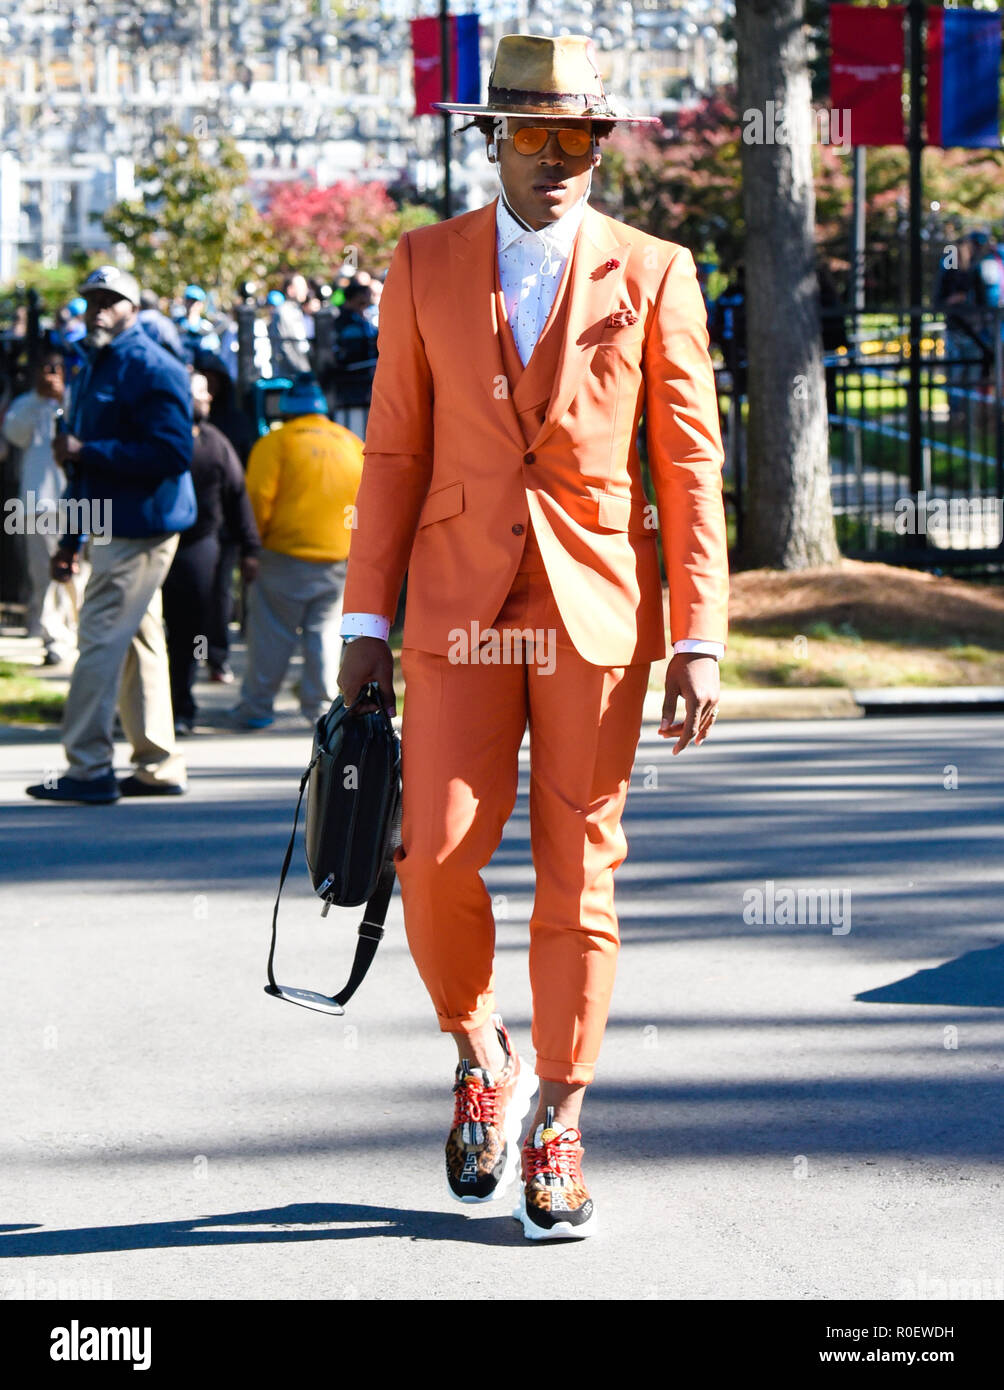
(314, 226)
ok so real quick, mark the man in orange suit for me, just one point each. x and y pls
(520, 346)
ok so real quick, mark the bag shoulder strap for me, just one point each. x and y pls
(370, 928)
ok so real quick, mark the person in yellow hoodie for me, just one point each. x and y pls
(302, 480)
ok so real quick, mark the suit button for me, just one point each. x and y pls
(517, 530)
(529, 458)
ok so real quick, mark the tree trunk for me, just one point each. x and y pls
(789, 512)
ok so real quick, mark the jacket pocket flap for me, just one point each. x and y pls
(444, 502)
(613, 512)
(620, 513)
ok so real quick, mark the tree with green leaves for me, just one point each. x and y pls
(192, 219)
(55, 285)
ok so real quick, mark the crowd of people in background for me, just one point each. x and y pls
(136, 401)
(197, 321)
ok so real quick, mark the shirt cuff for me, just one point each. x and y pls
(697, 644)
(365, 625)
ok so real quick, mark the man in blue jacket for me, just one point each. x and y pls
(127, 453)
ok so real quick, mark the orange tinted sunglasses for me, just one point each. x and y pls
(531, 139)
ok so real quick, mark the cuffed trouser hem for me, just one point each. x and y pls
(571, 1073)
(467, 1023)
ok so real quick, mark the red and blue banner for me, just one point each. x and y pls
(963, 78)
(866, 73)
(465, 75)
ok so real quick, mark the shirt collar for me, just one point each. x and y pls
(558, 235)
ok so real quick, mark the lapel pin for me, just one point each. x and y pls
(620, 317)
(612, 263)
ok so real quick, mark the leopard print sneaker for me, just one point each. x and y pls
(482, 1150)
(555, 1204)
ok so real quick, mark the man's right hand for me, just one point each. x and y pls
(367, 659)
(64, 565)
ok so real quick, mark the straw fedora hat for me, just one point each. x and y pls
(549, 79)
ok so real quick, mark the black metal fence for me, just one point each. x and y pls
(952, 516)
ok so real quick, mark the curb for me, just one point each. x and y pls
(946, 699)
(832, 702)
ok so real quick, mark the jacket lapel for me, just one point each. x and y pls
(593, 290)
(475, 326)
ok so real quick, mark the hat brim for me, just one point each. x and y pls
(110, 289)
(564, 117)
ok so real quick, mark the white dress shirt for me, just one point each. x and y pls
(531, 264)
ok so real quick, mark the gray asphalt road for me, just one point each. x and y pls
(783, 1109)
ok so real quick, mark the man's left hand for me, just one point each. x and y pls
(65, 446)
(696, 678)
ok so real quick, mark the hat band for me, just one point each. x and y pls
(514, 97)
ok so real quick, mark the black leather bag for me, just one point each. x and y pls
(353, 826)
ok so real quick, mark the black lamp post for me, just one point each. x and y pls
(445, 85)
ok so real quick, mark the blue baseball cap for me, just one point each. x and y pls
(275, 298)
(77, 306)
(304, 397)
(194, 292)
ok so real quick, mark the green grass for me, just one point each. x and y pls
(841, 657)
(24, 699)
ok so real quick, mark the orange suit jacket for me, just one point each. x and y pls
(450, 482)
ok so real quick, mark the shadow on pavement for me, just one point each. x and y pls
(299, 1222)
(975, 979)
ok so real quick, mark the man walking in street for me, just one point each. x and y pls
(519, 346)
(127, 454)
(302, 480)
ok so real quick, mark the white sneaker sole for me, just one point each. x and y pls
(561, 1230)
(526, 1089)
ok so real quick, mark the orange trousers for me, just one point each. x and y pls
(462, 726)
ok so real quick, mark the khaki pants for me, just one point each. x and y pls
(123, 658)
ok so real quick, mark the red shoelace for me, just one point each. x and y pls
(559, 1156)
(475, 1102)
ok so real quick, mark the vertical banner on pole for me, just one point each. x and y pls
(866, 72)
(466, 71)
(963, 78)
(426, 61)
(465, 77)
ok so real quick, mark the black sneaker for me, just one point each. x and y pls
(96, 791)
(134, 786)
(482, 1150)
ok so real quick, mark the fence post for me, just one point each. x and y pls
(324, 341)
(245, 347)
(34, 334)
